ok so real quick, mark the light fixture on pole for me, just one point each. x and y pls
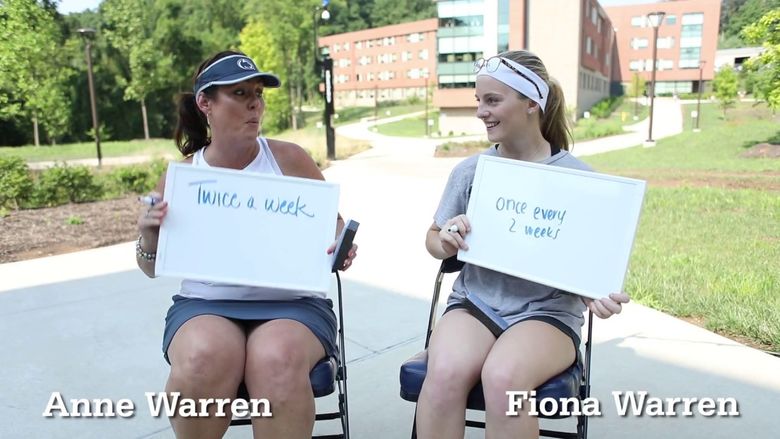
(655, 19)
(698, 100)
(325, 67)
(88, 34)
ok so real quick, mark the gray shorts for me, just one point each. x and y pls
(314, 312)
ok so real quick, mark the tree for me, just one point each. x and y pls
(725, 85)
(32, 70)
(636, 88)
(256, 43)
(128, 30)
(290, 30)
(387, 12)
(766, 66)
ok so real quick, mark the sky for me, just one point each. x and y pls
(68, 6)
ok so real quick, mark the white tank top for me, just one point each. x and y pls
(264, 163)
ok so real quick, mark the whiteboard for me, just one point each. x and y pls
(566, 228)
(246, 228)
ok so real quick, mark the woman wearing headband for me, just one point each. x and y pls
(524, 115)
(219, 335)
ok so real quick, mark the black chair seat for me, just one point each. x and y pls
(322, 377)
(562, 386)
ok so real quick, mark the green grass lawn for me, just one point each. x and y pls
(411, 126)
(310, 138)
(708, 243)
(113, 148)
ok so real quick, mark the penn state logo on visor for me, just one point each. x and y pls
(246, 64)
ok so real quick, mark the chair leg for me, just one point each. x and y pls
(414, 423)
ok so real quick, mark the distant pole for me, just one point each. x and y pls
(330, 134)
(655, 19)
(427, 129)
(321, 12)
(87, 34)
(698, 101)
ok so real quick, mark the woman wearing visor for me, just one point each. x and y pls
(219, 335)
(525, 117)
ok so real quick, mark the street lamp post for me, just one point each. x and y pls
(88, 34)
(427, 127)
(655, 19)
(326, 63)
(698, 100)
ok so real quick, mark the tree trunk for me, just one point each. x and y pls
(35, 131)
(143, 116)
(293, 116)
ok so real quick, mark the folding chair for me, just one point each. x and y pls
(573, 382)
(326, 376)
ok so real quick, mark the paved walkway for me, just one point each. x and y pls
(89, 324)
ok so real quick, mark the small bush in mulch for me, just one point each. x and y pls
(763, 151)
(460, 149)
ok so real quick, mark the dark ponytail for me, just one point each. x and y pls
(192, 130)
(554, 123)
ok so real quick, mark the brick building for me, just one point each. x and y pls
(388, 63)
(687, 39)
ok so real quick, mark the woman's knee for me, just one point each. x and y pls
(448, 377)
(498, 379)
(208, 364)
(207, 352)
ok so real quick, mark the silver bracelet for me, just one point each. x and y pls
(139, 252)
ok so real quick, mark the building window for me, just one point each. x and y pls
(690, 30)
(423, 54)
(689, 57)
(594, 16)
(414, 38)
(406, 56)
(671, 19)
(639, 21)
(598, 27)
(638, 43)
(636, 65)
(588, 45)
(665, 64)
(666, 43)
(695, 18)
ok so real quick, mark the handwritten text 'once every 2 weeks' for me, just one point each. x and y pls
(542, 215)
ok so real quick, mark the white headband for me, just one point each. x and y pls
(523, 82)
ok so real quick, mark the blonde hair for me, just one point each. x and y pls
(553, 121)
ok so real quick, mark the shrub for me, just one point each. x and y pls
(63, 184)
(132, 179)
(16, 183)
(604, 108)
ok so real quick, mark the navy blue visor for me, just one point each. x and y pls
(231, 70)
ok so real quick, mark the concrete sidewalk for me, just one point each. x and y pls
(89, 325)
